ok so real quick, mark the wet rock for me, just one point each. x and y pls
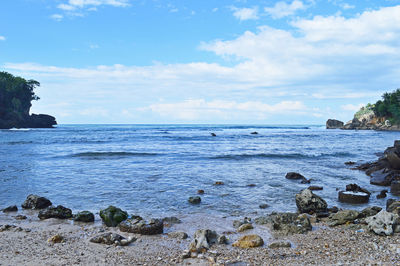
(353, 197)
(392, 205)
(286, 223)
(334, 124)
(312, 188)
(382, 194)
(308, 202)
(222, 240)
(395, 187)
(213, 134)
(13, 208)
(112, 216)
(20, 217)
(238, 223)
(245, 227)
(342, 217)
(382, 223)
(59, 212)
(194, 200)
(251, 185)
(112, 239)
(178, 235)
(263, 206)
(202, 240)
(254, 133)
(349, 163)
(381, 178)
(56, 239)
(280, 244)
(393, 158)
(334, 209)
(36, 202)
(305, 181)
(153, 227)
(370, 211)
(249, 241)
(171, 220)
(200, 192)
(294, 175)
(356, 188)
(84, 216)
(219, 183)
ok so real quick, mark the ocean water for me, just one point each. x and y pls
(151, 170)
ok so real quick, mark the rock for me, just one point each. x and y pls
(254, 133)
(202, 240)
(342, 217)
(356, 188)
(294, 175)
(263, 206)
(251, 185)
(395, 187)
(305, 181)
(280, 244)
(84, 216)
(382, 194)
(218, 183)
(286, 223)
(393, 158)
(171, 220)
(249, 241)
(245, 227)
(153, 227)
(56, 239)
(213, 134)
(334, 209)
(308, 202)
(13, 208)
(59, 212)
(334, 124)
(312, 188)
(178, 235)
(200, 192)
(353, 197)
(353, 124)
(238, 223)
(112, 239)
(380, 178)
(370, 211)
(392, 205)
(20, 217)
(382, 223)
(222, 240)
(349, 163)
(112, 216)
(194, 200)
(387, 123)
(36, 202)
(41, 121)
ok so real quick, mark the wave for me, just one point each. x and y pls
(18, 142)
(96, 155)
(20, 129)
(279, 156)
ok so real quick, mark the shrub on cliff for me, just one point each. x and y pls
(389, 106)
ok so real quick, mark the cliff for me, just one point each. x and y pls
(16, 95)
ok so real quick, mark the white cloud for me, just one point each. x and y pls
(347, 6)
(352, 107)
(57, 17)
(282, 9)
(2, 38)
(245, 13)
(79, 7)
(94, 46)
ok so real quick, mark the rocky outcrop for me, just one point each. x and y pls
(36, 202)
(59, 212)
(334, 124)
(308, 202)
(112, 216)
(138, 226)
(31, 121)
(370, 122)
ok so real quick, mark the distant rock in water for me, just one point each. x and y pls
(334, 124)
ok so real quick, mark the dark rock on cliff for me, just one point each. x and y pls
(333, 124)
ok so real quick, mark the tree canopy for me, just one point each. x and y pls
(389, 106)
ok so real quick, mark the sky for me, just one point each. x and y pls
(202, 61)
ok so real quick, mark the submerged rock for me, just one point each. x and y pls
(382, 223)
(112, 216)
(112, 239)
(312, 188)
(36, 202)
(342, 217)
(84, 216)
(59, 212)
(194, 200)
(202, 240)
(153, 227)
(13, 208)
(249, 241)
(308, 202)
(171, 220)
(238, 223)
(294, 175)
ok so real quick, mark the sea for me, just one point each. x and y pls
(152, 170)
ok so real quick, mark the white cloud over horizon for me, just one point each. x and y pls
(245, 13)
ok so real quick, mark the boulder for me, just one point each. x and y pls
(194, 200)
(249, 241)
(380, 178)
(382, 194)
(13, 208)
(36, 202)
(294, 175)
(370, 211)
(334, 124)
(84, 216)
(308, 202)
(382, 223)
(356, 188)
(59, 212)
(245, 227)
(112, 239)
(342, 217)
(286, 223)
(238, 223)
(392, 205)
(202, 240)
(393, 158)
(136, 226)
(395, 187)
(112, 216)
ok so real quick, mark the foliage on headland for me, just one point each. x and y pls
(16, 96)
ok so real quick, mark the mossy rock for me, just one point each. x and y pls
(84, 216)
(112, 216)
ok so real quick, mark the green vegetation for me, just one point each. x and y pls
(389, 106)
(16, 94)
(365, 110)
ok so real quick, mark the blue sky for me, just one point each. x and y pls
(153, 61)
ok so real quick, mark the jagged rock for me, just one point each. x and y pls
(249, 241)
(280, 244)
(245, 227)
(381, 178)
(112, 216)
(59, 212)
(370, 211)
(353, 197)
(382, 223)
(13, 208)
(294, 175)
(36, 202)
(334, 124)
(392, 205)
(112, 239)
(342, 217)
(308, 202)
(194, 200)
(202, 240)
(153, 227)
(84, 216)
(286, 223)
(178, 235)
(353, 124)
(356, 188)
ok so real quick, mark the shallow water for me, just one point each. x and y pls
(152, 169)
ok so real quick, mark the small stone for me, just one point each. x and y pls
(312, 188)
(56, 239)
(200, 192)
(249, 241)
(13, 208)
(218, 183)
(112, 239)
(178, 235)
(20, 217)
(194, 200)
(263, 206)
(280, 244)
(245, 227)
(222, 240)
